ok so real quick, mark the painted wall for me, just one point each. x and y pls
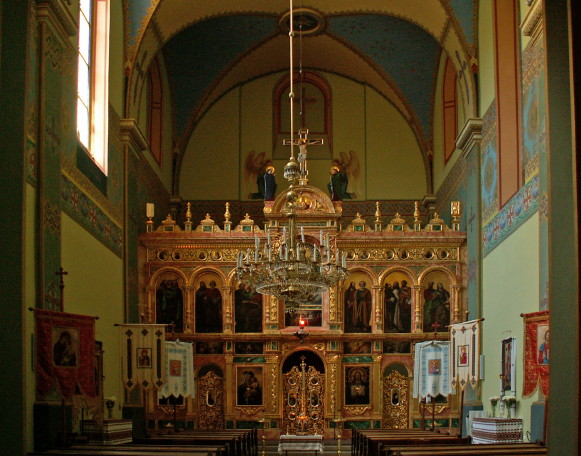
(116, 58)
(94, 286)
(216, 135)
(510, 287)
(394, 165)
(367, 131)
(485, 56)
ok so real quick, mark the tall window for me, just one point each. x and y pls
(450, 110)
(92, 79)
(155, 118)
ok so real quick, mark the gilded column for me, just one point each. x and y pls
(417, 299)
(455, 296)
(271, 312)
(146, 310)
(378, 391)
(229, 393)
(333, 313)
(188, 314)
(378, 300)
(334, 392)
(227, 311)
(272, 385)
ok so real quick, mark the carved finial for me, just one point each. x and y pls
(417, 212)
(227, 213)
(377, 212)
(189, 212)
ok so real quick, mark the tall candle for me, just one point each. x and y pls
(302, 234)
(149, 209)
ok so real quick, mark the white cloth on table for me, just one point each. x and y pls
(300, 443)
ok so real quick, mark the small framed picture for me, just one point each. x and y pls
(508, 357)
(462, 355)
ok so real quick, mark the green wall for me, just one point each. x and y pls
(486, 76)
(510, 287)
(94, 286)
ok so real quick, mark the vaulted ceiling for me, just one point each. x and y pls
(211, 46)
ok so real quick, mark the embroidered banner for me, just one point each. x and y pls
(432, 369)
(465, 354)
(65, 351)
(179, 368)
(536, 356)
(143, 355)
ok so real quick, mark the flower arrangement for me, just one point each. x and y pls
(494, 400)
(509, 400)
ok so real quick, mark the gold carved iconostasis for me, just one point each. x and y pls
(404, 285)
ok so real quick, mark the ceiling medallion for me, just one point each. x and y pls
(305, 22)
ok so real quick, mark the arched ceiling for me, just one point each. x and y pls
(210, 47)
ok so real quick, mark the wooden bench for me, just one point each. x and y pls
(109, 451)
(505, 449)
(372, 442)
(360, 437)
(235, 442)
(173, 449)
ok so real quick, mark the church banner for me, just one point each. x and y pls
(143, 354)
(179, 370)
(432, 369)
(536, 356)
(465, 354)
(65, 353)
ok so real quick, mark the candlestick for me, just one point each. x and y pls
(149, 210)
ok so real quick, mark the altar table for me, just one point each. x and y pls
(288, 443)
(497, 430)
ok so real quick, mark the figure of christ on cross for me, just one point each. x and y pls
(302, 141)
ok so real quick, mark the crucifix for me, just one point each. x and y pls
(303, 141)
(61, 272)
(436, 325)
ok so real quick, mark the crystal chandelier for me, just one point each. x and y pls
(288, 267)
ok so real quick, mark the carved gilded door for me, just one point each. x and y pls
(303, 400)
(395, 401)
(211, 401)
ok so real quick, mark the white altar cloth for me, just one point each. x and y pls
(300, 443)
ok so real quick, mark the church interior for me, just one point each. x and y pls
(334, 219)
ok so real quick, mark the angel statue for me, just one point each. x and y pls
(341, 170)
(259, 167)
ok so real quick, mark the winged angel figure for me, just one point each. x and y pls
(255, 168)
(349, 169)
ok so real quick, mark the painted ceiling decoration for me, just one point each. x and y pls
(209, 47)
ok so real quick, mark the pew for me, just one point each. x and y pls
(359, 437)
(236, 442)
(109, 451)
(505, 449)
(371, 442)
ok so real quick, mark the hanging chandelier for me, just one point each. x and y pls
(287, 266)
